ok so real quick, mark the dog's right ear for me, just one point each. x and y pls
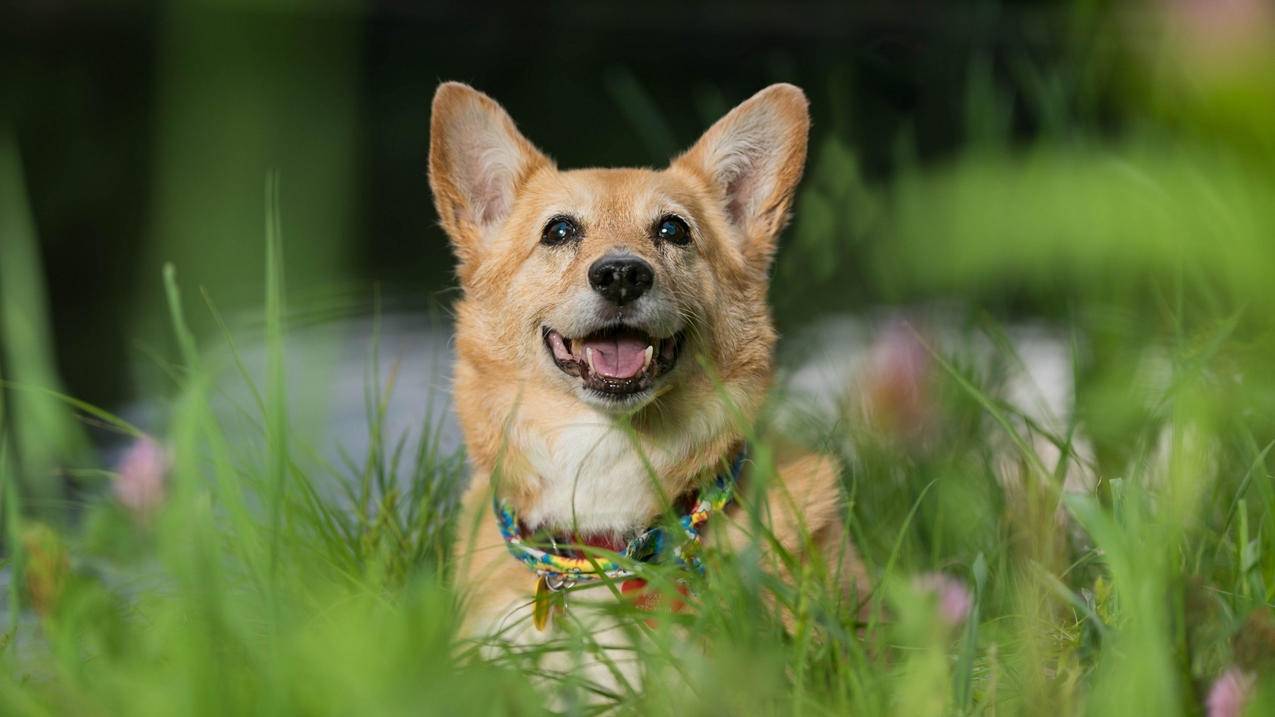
(477, 161)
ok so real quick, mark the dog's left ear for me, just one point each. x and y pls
(753, 158)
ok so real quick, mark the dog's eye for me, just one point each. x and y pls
(560, 230)
(672, 229)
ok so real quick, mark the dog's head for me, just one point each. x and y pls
(609, 284)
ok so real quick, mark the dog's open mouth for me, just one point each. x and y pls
(616, 362)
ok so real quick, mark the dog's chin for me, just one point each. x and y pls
(611, 403)
(616, 369)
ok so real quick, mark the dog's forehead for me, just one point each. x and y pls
(604, 196)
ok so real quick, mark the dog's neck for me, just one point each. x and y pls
(592, 476)
(572, 469)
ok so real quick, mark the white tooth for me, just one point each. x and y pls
(588, 355)
(646, 363)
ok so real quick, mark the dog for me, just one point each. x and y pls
(613, 344)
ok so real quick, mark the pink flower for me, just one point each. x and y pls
(140, 485)
(954, 599)
(1216, 24)
(1230, 693)
(896, 382)
(1220, 37)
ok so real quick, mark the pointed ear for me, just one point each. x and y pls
(753, 157)
(477, 162)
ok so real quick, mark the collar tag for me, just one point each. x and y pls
(549, 601)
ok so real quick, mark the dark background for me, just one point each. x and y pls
(137, 150)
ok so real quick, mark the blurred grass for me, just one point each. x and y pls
(41, 432)
(239, 96)
(254, 589)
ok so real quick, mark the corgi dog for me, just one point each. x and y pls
(612, 343)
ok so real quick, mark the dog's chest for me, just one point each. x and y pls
(593, 479)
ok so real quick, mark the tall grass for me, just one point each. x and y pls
(1114, 560)
(254, 589)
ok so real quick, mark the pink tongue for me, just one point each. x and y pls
(620, 357)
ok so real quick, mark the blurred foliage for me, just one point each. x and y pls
(37, 431)
(1100, 169)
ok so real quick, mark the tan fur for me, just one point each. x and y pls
(525, 422)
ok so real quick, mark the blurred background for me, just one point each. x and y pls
(1018, 160)
(1025, 299)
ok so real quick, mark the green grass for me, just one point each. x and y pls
(275, 581)
(254, 589)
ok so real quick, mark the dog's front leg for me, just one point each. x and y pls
(582, 645)
(803, 514)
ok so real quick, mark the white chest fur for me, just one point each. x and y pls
(593, 478)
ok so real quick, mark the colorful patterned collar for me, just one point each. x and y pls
(561, 571)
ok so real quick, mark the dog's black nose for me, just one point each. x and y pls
(621, 279)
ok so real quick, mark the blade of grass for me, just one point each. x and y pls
(276, 392)
(44, 433)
